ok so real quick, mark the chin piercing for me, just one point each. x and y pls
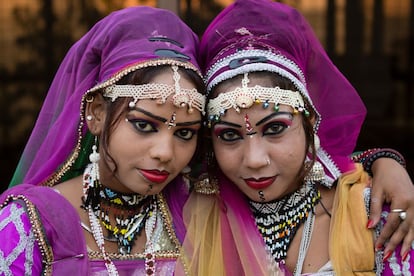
(149, 188)
(261, 196)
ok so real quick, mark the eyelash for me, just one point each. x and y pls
(136, 123)
(187, 131)
(281, 126)
(236, 135)
(140, 125)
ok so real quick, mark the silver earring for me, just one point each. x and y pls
(89, 118)
(316, 173)
(94, 156)
(94, 171)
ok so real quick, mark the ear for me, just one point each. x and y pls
(313, 120)
(96, 110)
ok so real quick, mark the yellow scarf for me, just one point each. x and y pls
(351, 243)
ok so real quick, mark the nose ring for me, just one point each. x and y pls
(268, 161)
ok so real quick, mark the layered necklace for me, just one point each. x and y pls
(131, 213)
(279, 220)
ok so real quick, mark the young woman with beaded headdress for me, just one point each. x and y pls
(102, 173)
(286, 197)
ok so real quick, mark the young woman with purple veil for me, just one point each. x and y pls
(285, 196)
(101, 180)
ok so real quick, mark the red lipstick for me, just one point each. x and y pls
(155, 176)
(261, 183)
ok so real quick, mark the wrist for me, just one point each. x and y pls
(368, 157)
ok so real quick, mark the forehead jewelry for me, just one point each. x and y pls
(245, 97)
(248, 125)
(182, 97)
(171, 123)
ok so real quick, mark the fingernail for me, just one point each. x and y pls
(378, 247)
(404, 257)
(369, 224)
(387, 256)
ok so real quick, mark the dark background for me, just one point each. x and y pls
(384, 76)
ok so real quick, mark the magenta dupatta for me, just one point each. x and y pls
(124, 41)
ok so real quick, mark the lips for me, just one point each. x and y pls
(155, 176)
(261, 183)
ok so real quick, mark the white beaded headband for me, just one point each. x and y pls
(245, 97)
(182, 97)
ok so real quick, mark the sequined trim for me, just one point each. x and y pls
(330, 165)
(278, 58)
(41, 239)
(140, 65)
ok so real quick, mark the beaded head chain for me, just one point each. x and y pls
(160, 91)
(245, 97)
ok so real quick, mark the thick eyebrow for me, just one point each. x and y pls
(268, 117)
(221, 122)
(149, 114)
(164, 120)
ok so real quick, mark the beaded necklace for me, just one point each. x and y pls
(131, 212)
(279, 220)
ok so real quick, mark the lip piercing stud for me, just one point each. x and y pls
(261, 196)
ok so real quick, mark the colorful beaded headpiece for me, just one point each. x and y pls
(160, 91)
(245, 97)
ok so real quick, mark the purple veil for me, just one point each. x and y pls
(123, 41)
(271, 27)
(262, 35)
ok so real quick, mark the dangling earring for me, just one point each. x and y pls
(207, 183)
(91, 178)
(94, 158)
(316, 173)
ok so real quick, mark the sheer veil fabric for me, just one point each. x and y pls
(274, 37)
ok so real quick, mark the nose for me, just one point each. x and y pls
(162, 148)
(255, 153)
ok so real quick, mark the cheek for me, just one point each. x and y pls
(295, 152)
(122, 142)
(186, 151)
(227, 159)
